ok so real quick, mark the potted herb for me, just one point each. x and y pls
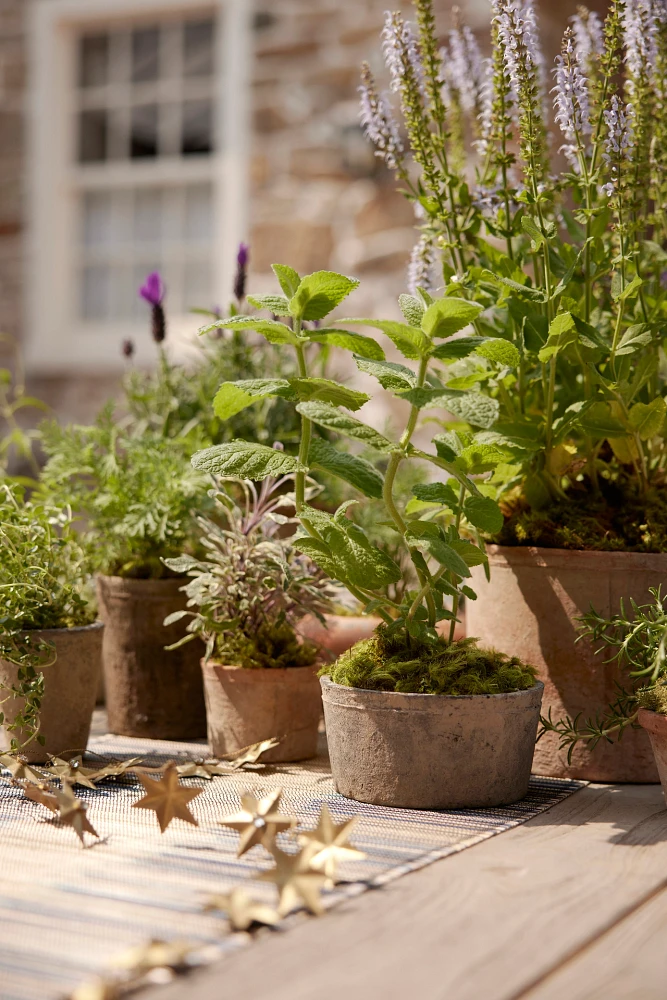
(635, 681)
(565, 256)
(50, 645)
(250, 590)
(413, 718)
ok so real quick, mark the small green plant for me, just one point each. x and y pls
(40, 588)
(16, 443)
(251, 587)
(566, 259)
(139, 496)
(429, 531)
(637, 641)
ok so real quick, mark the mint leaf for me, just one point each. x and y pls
(562, 333)
(447, 316)
(471, 554)
(458, 347)
(275, 333)
(647, 418)
(319, 293)
(409, 340)
(499, 350)
(441, 493)
(598, 422)
(287, 277)
(445, 555)
(484, 513)
(248, 461)
(634, 338)
(390, 375)
(365, 347)
(412, 309)
(327, 391)
(346, 554)
(276, 304)
(353, 470)
(530, 226)
(328, 416)
(478, 410)
(232, 397)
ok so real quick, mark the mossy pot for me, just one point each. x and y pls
(427, 751)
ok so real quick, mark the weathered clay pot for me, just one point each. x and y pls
(529, 609)
(245, 706)
(656, 727)
(150, 691)
(343, 631)
(428, 751)
(70, 686)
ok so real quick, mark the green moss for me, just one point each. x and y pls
(387, 663)
(271, 646)
(654, 699)
(617, 519)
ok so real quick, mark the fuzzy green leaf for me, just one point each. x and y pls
(471, 554)
(232, 397)
(353, 470)
(634, 338)
(647, 418)
(412, 309)
(562, 332)
(390, 375)
(478, 458)
(449, 315)
(326, 391)
(276, 304)
(330, 417)
(365, 347)
(598, 421)
(248, 461)
(477, 409)
(441, 493)
(288, 278)
(530, 227)
(409, 340)
(319, 293)
(445, 555)
(346, 554)
(484, 513)
(501, 351)
(458, 347)
(274, 332)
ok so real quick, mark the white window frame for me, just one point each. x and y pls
(57, 341)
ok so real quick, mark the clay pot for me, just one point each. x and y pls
(245, 706)
(70, 686)
(343, 631)
(529, 609)
(428, 751)
(150, 691)
(656, 727)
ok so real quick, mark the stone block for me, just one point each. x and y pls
(305, 246)
(317, 162)
(387, 210)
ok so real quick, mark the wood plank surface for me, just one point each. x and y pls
(488, 923)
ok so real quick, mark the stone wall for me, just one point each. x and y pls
(12, 209)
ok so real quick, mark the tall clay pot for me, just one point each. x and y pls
(70, 687)
(150, 691)
(246, 706)
(656, 726)
(430, 751)
(530, 609)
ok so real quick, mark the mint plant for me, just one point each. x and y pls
(430, 529)
(565, 257)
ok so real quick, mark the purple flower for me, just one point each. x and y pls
(153, 290)
(241, 271)
(242, 255)
(128, 348)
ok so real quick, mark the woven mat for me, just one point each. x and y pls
(66, 911)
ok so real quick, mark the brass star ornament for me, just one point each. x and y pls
(21, 771)
(242, 911)
(72, 812)
(251, 754)
(41, 793)
(296, 881)
(167, 798)
(259, 821)
(328, 844)
(72, 771)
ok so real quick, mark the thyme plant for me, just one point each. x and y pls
(636, 639)
(564, 254)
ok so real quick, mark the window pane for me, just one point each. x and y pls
(145, 54)
(198, 48)
(93, 136)
(197, 134)
(197, 285)
(93, 60)
(198, 214)
(148, 216)
(97, 219)
(143, 138)
(95, 292)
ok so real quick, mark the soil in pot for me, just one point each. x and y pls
(70, 687)
(530, 608)
(245, 706)
(655, 725)
(150, 691)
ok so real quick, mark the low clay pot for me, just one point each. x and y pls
(656, 727)
(343, 631)
(150, 691)
(427, 751)
(70, 687)
(530, 609)
(246, 706)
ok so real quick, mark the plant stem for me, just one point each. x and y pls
(455, 600)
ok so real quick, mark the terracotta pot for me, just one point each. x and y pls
(656, 727)
(529, 609)
(428, 751)
(246, 706)
(70, 686)
(150, 691)
(342, 631)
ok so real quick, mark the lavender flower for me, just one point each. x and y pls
(241, 271)
(517, 35)
(421, 266)
(401, 51)
(588, 35)
(619, 141)
(153, 291)
(378, 122)
(465, 70)
(640, 27)
(571, 99)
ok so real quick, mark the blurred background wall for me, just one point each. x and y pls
(159, 133)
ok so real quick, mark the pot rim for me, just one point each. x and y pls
(93, 627)
(595, 559)
(134, 581)
(326, 682)
(652, 721)
(259, 671)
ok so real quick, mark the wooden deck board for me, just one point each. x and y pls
(493, 922)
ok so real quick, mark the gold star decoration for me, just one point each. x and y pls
(242, 911)
(154, 954)
(72, 771)
(41, 793)
(206, 769)
(21, 771)
(72, 812)
(296, 881)
(114, 769)
(259, 821)
(329, 843)
(251, 754)
(167, 798)
(98, 989)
